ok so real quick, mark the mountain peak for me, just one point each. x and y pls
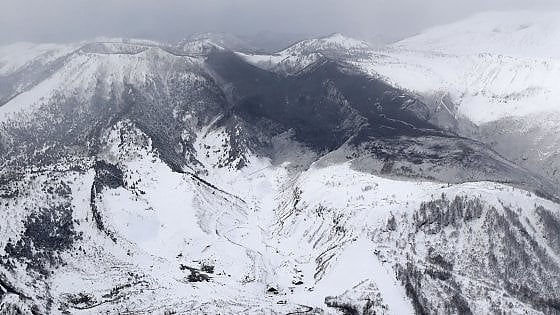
(199, 46)
(342, 41)
(221, 40)
(336, 42)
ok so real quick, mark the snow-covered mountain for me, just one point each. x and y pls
(306, 52)
(499, 71)
(138, 177)
(530, 34)
(493, 65)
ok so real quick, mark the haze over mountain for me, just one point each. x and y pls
(221, 174)
(171, 20)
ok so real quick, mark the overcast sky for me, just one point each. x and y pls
(74, 20)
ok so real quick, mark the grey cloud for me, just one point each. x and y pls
(73, 20)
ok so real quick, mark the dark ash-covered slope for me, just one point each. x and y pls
(335, 109)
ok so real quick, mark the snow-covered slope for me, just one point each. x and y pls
(479, 76)
(14, 57)
(530, 34)
(222, 40)
(497, 70)
(493, 65)
(261, 240)
(117, 64)
(483, 87)
(307, 52)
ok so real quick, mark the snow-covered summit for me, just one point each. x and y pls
(199, 46)
(306, 52)
(336, 41)
(499, 71)
(491, 66)
(125, 40)
(224, 40)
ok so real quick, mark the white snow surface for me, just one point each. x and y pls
(86, 72)
(530, 34)
(309, 235)
(493, 65)
(13, 57)
(306, 52)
